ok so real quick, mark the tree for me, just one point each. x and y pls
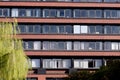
(13, 61)
(79, 75)
(109, 72)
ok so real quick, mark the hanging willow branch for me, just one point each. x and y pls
(13, 61)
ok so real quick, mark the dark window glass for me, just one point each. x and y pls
(108, 30)
(31, 79)
(68, 13)
(45, 29)
(107, 14)
(22, 28)
(91, 45)
(22, 12)
(61, 29)
(46, 13)
(76, 0)
(83, 13)
(61, 13)
(53, 13)
(30, 28)
(92, 13)
(98, 46)
(30, 45)
(61, 46)
(91, 64)
(0, 12)
(113, 13)
(68, 29)
(53, 29)
(37, 29)
(76, 13)
(92, 29)
(99, 13)
(115, 29)
(107, 46)
(99, 30)
(5, 12)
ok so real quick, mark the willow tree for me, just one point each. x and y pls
(13, 61)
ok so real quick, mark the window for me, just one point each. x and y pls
(28, 45)
(35, 63)
(115, 29)
(22, 29)
(107, 46)
(46, 45)
(37, 45)
(56, 63)
(76, 13)
(108, 30)
(76, 29)
(37, 29)
(83, 13)
(45, 29)
(31, 79)
(80, 64)
(19, 12)
(76, 45)
(49, 63)
(84, 29)
(4, 12)
(114, 46)
(87, 63)
(111, 14)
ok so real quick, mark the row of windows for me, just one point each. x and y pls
(59, 13)
(31, 79)
(69, 0)
(66, 63)
(69, 29)
(71, 45)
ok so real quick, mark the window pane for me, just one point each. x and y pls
(53, 13)
(68, 13)
(115, 29)
(46, 45)
(84, 29)
(62, 13)
(99, 13)
(30, 29)
(84, 13)
(37, 45)
(53, 29)
(76, 45)
(61, 29)
(45, 29)
(108, 30)
(37, 29)
(107, 45)
(30, 45)
(35, 63)
(76, 29)
(92, 29)
(92, 13)
(68, 29)
(99, 30)
(91, 45)
(77, 13)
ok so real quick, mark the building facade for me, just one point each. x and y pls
(61, 36)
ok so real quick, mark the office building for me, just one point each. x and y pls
(61, 36)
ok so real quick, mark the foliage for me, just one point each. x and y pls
(13, 61)
(79, 75)
(109, 72)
